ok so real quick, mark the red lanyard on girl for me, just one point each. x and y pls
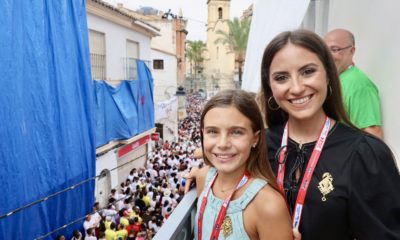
(222, 211)
(301, 196)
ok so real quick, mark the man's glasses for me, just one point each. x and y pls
(338, 49)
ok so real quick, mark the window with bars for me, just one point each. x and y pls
(97, 54)
(130, 69)
(158, 64)
(132, 53)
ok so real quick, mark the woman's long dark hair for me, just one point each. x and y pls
(333, 105)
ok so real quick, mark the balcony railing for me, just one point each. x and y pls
(179, 225)
(98, 62)
(130, 68)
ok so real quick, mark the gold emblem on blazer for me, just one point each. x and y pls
(325, 186)
(227, 226)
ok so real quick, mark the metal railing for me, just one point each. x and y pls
(98, 65)
(179, 226)
(130, 67)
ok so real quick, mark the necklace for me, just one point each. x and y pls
(223, 210)
(225, 190)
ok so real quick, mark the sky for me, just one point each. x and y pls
(195, 11)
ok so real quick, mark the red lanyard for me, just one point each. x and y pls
(222, 211)
(301, 196)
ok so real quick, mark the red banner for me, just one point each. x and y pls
(132, 146)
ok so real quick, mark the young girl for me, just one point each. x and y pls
(238, 197)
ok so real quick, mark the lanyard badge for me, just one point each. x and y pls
(312, 163)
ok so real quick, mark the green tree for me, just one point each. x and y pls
(194, 53)
(236, 40)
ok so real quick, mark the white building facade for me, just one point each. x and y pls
(116, 40)
(165, 85)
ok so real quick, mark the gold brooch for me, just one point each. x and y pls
(227, 226)
(325, 186)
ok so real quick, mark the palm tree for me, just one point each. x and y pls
(236, 40)
(194, 53)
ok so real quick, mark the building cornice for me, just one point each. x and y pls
(218, 1)
(112, 14)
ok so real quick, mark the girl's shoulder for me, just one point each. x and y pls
(269, 202)
(268, 208)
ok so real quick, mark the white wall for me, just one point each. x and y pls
(116, 36)
(165, 85)
(165, 80)
(377, 34)
(166, 112)
(167, 40)
(108, 161)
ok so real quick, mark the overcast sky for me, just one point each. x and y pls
(195, 11)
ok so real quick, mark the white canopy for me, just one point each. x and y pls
(270, 17)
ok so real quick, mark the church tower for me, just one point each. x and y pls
(219, 62)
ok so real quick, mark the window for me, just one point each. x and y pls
(97, 54)
(132, 54)
(219, 13)
(158, 64)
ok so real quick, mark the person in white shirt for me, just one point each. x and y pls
(110, 212)
(90, 234)
(153, 223)
(89, 222)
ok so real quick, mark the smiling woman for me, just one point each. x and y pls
(238, 182)
(299, 83)
(327, 169)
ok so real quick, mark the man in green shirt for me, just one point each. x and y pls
(361, 96)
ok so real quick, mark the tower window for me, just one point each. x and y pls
(219, 13)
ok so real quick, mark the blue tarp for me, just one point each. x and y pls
(126, 110)
(47, 126)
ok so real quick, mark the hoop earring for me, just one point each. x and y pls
(270, 105)
(330, 90)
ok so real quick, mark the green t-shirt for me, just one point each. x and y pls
(361, 98)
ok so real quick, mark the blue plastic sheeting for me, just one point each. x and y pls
(46, 113)
(126, 110)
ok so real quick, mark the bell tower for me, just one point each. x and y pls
(220, 62)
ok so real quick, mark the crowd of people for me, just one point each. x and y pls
(142, 203)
